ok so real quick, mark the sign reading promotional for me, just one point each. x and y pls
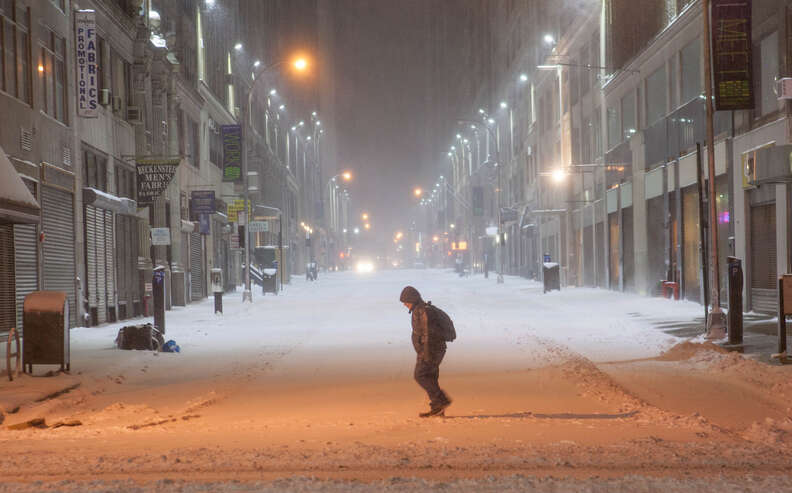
(153, 177)
(202, 202)
(87, 64)
(232, 152)
(731, 54)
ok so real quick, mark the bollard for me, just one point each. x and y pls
(735, 323)
(217, 288)
(158, 293)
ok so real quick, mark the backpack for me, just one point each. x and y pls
(443, 321)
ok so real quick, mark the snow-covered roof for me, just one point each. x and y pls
(16, 201)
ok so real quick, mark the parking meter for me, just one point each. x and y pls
(735, 321)
(216, 276)
(158, 293)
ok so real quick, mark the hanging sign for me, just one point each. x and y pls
(160, 236)
(204, 225)
(731, 54)
(202, 202)
(258, 227)
(235, 207)
(153, 177)
(232, 152)
(87, 63)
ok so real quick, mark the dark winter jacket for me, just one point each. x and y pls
(427, 336)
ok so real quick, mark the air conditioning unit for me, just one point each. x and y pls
(134, 115)
(784, 88)
(117, 103)
(104, 97)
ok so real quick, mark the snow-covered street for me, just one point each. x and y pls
(317, 382)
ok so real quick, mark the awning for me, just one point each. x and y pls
(17, 204)
(104, 200)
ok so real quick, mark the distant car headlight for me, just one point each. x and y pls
(365, 267)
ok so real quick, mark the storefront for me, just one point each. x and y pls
(18, 208)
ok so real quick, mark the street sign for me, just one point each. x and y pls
(160, 236)
(258, 227)
(492, 230)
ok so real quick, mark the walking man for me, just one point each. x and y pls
(429, 336)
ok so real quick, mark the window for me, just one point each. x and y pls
(585, 141)
(215, 148)
(53, 55)
(94, 170)
(15, 49)
(691, 71)
(628, 115)
(584, 74)
(596, 125)
(656, 95)
(768, 51)
(194, 129)
(125, 181)
(614, 127)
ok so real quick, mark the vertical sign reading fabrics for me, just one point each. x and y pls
(731, 54)
(87, 64)
(232, 152)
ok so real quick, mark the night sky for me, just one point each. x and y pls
(383, 101)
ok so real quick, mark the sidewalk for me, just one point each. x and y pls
(760, 333)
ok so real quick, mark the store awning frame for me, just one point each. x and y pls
(17, 203)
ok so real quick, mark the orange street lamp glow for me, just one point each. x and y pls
(301, 64)
(346, 175)
(365, 216)
(418, 192)
(367, 226)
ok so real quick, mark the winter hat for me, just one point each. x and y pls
(410, 295)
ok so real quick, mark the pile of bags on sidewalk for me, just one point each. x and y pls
(144, 337)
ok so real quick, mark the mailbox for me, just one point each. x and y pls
(45, 318)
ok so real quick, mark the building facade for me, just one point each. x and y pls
(168, 77)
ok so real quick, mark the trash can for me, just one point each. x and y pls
(45, 317)
(269, 281)
(551, 276)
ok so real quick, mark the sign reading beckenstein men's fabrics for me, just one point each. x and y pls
(87, 63)
(153, 177)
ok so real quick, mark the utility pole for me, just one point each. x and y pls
(716, 322)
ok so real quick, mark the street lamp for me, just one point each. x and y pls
(417, 192)
(246, 120)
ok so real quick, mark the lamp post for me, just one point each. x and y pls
(300, 64)
(488, 122)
